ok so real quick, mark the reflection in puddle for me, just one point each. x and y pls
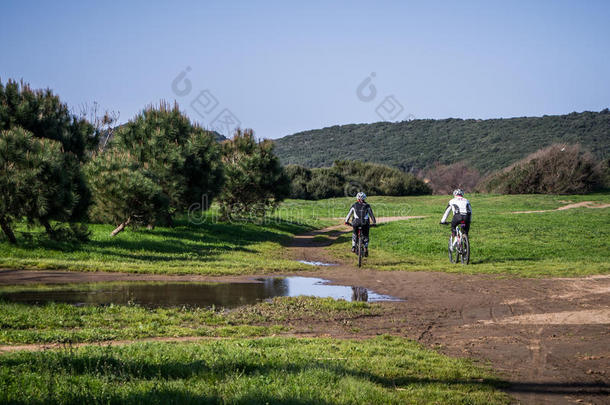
(316, 263)
(227, 295)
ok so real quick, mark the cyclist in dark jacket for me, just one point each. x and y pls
(362, 214)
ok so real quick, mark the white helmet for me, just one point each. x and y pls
(361, 196)
(458, 191)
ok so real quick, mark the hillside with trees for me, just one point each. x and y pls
(412, 146)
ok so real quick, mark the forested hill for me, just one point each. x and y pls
(413, 145)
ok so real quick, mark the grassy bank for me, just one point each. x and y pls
(384, 370)
(61, 323)
(190, 247)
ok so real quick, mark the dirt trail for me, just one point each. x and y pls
(19, 277)
(550, 338)
(587, 204)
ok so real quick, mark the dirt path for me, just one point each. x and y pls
(18, 277)
(550, 338)
(586, 204)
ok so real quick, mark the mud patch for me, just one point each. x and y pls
(592, 317)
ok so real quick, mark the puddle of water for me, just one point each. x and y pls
(227, 295)
(316, 263)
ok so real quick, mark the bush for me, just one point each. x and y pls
(326, 183)
(346, 178)
(299, 179)
(445, 178)
(604, 170)
(255, 181)
(376, 179)
(558, 169)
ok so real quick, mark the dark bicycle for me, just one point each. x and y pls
(461, 252)
(359, 245)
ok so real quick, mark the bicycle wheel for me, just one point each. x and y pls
(453, 256)
(465, 249)
(359, 250)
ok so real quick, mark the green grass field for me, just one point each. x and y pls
(248, 365)
(240, 368)
(562, 243)
(208, 248)
(571, 243)
(384, 370)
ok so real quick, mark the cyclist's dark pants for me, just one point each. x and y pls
(457, 219)
(365, 235)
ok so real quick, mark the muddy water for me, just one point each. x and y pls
(227, 295)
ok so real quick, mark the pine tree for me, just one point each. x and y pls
(124, 192)
(40, 133)
(255, 181)
(164, 147)
(18, 155)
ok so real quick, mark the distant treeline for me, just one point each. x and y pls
(419, 145)
(557, 169)
(346, 178)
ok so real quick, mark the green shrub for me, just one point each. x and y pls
(325, 183)
(299, 178)
(604, 169)
(255, 181)
(558, 169)
(346, 178)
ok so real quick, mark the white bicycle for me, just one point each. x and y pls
(461, 253)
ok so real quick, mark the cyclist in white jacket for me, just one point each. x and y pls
(462, 211)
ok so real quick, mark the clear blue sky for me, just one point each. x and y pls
(282, 67)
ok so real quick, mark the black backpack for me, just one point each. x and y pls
(361, 209)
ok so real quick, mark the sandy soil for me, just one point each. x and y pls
(549, 338)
